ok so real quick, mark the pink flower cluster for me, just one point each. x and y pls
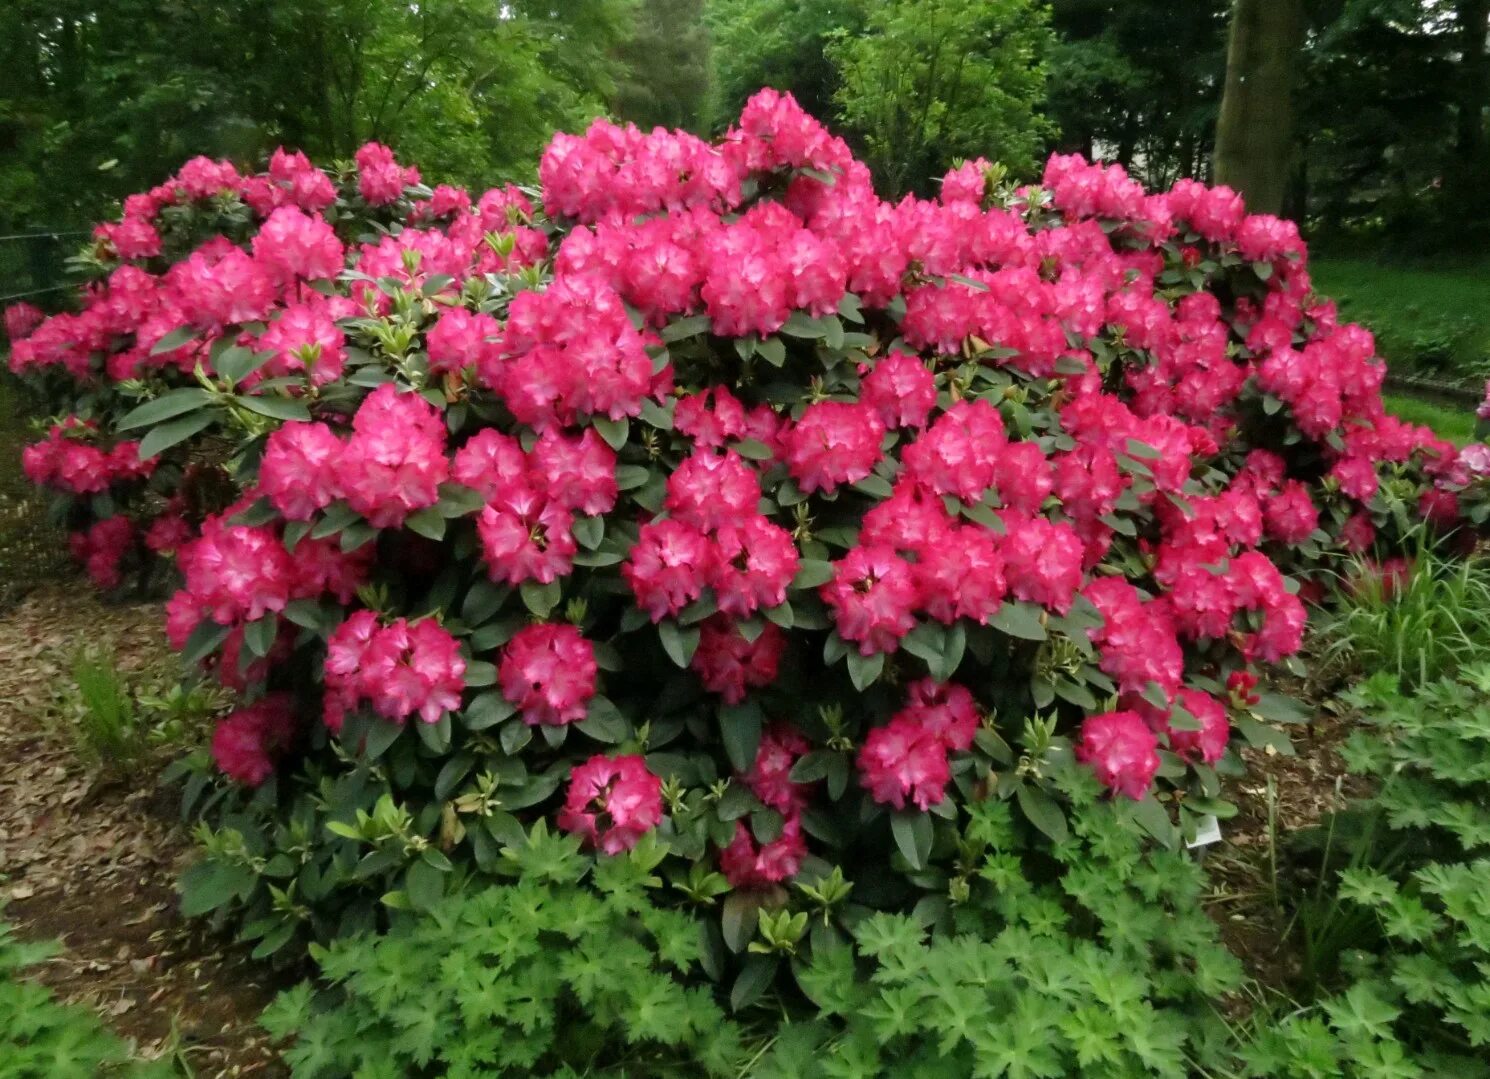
(400, 669)
(714, 537)
(548, 671)
(612, 802)
(746, 862)
(391, 466)
(65, 460)
(248, 742)
(906, 759)
(1035, 412)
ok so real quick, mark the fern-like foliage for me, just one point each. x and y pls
(41, 1038)
(1416, 1001)
(1091, 958)
(571, 969)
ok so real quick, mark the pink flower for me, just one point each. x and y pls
(754, 564)
(872, 595)
(1209, 742)
(102, 550)
(944, 710)
(669, 567)
(21, 320)
(219, 285)
(394, 462)
(901, 391)
(247, 742)
(298, 473)
(709, 490)
(1290, 514)
(294, 246)
(460, 339)
(548, 671)
(526, 537)
(612, 802)
(1121, 750)
(236, 572)
(492, 464)
(304, 339)
(769, 778)
(747, 865)
(1042, 561)
(960, 453)
(729, 664)
(400, 669)
(380, 179)
(904, 760)
(576, 471)
(832, 444)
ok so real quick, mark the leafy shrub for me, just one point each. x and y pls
(42, 1039)
(718, 500)
(1414, 985)
(1416, 618)
(1091, 957)
(543, 976)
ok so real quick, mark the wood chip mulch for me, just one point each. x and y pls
(92, 860)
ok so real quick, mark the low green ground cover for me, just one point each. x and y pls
(1433, 322)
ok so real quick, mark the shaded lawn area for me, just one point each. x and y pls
(1455, 424)
(1427, 321)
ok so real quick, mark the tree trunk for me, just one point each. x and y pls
(1473, 90)
(1254, 132)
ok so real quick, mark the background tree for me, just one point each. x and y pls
(1139, 82)
(665, 66)
(929, 81)
(778, 43)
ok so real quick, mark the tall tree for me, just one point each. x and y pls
(929, 81)
(777, 43)
(1139, 82)
(1254, 133)
(1472, 23)
(665, 80)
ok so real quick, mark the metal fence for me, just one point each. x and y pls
(33, 264)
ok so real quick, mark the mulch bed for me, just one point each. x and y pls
(92, 862)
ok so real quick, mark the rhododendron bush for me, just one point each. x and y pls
(702, 499)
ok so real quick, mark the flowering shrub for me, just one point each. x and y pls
(704, 495)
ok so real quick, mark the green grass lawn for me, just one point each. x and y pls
(1431, 322)
(1454, 424)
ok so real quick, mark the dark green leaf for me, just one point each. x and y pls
(1041, 810)
(164, 407)
(159, 439)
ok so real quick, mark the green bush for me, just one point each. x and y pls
(42, 1039)
(1414, 990)
(1091, 957)
(549, 975)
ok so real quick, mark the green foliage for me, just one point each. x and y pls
(1417, 624)
(102, 98)
(665, 65)
(1431, 321)
(117, 723)
(571, 969)
(42, 1039)
(1416, 997)
(1148, 95)
(1091, 957)
(931, 81)
(777, 43)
